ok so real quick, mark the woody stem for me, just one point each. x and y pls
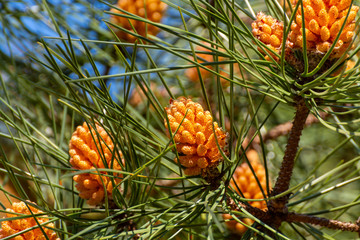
(324, 222)
(285, 173)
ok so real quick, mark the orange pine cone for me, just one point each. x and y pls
(89, 154)
(195, 139)
(269, 31)
(12, 227)
(152, 10)
(323, 22)
(246, 182)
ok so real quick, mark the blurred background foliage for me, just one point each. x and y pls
(41, 106)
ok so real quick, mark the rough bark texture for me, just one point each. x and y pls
(275, 219)
(328, 223)
(285, 173)
(258, 213)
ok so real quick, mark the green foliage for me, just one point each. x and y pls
(60, 82)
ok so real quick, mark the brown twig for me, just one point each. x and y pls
(256, 212)
(285, 173)
(276, 218)
(324, 222)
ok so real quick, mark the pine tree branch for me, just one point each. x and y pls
(285, 173)
(276, 218)
(256, 212)
(324, 222)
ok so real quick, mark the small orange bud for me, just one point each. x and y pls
(275, 41)
(323, 47)
(324, 33)
(192, 171)
(343, 4)
(314, 26)
(318, 5)
(308, 12)
(333, 14)
(266, 29)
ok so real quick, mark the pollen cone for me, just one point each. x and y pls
(12, 227)
(269, 31)
(152, 10)
(196, 136)
(323, 21)
(90, 150)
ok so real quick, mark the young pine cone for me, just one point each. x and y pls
(12, 227)
(89, 154)
(195, 139)
(323, 22)
(246, 182)
(152, 10)
(269, 31)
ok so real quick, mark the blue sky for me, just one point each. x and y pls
(26, 22)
